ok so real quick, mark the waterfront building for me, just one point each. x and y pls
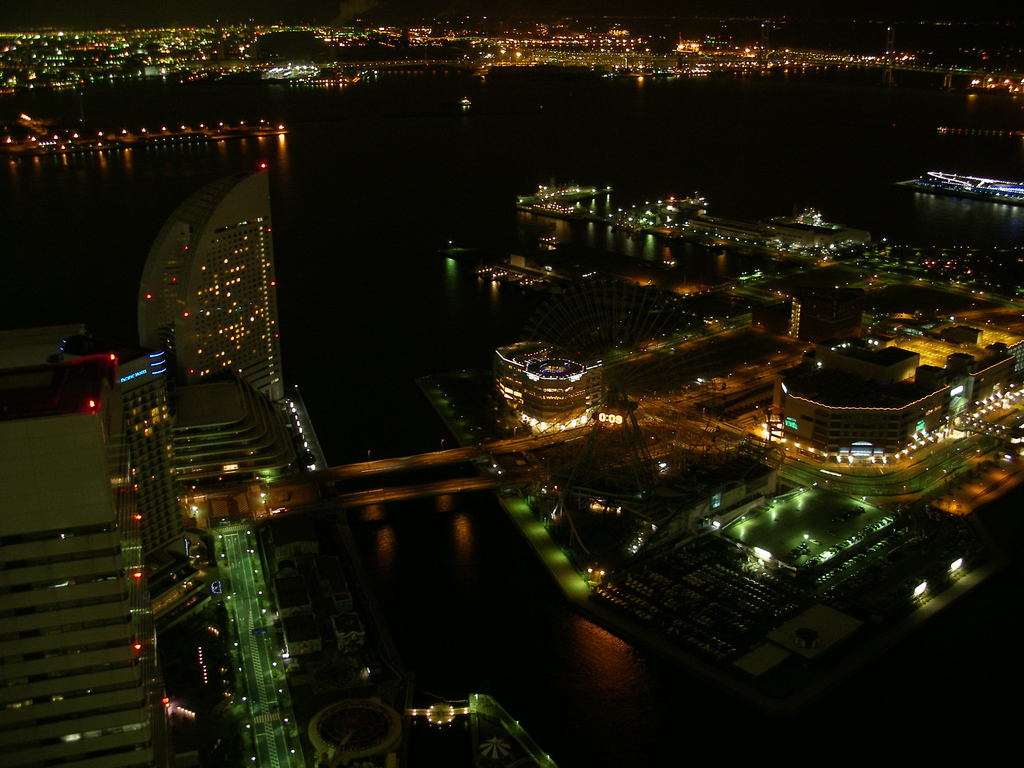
(207, 295)
(865, 360)
(77, 652)
(804, 232)
(545, 385)
(858, 399)
(808, 230)
(716, 494)
(227, 428)
(727, 229)
(838, 414)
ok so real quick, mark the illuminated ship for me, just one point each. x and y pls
(994, 190)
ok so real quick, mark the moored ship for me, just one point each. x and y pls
(979, 188)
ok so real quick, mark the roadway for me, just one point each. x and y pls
(402, 493)
(256, 652)
(878, 480)
(453, 455)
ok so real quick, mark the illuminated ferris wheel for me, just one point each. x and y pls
(600, 315)
(633, 330)
(655, 357)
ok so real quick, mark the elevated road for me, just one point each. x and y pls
(404, 492)
(453, 455)
(437, 488)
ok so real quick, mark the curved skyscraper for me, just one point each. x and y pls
(207, 293)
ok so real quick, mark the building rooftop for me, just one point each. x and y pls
(800, 226)
(292, 529)
(204, 405)
(840, 389)
(81, 344)
(291, 592)
(54, 457)
(882, 356)
(543, 360)
(827, 519)
(827, 293)
(328, 567)
(347, 622)
(33, 346)
(61, 388)
(814, 631)
(301, 628)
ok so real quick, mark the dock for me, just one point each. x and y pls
(40, 139)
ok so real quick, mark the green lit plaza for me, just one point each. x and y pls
(809, 528)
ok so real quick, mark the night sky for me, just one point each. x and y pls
(149, 12)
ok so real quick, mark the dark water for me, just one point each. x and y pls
(370, 181)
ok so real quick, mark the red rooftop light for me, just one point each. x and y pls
(263, 166)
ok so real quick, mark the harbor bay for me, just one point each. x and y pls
(362, 204)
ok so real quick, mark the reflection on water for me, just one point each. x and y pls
(959, 220)
(281, 157)
(384, 546)
(585, 696)
(721, 263)
(462, 536)
(451, 279)
(648, 252)
(470, 608)
(372, 512)
(602, 655)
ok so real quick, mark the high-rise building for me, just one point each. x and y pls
(143, 381)
(817, 314)
(208, 289)
(78, 678)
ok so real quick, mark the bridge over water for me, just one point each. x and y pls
(449, 455)
(324, 489)
(405, 492)
(888, 64)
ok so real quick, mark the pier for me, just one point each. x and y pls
(687, 219)
(42, 139)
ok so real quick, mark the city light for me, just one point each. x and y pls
(726, 438)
